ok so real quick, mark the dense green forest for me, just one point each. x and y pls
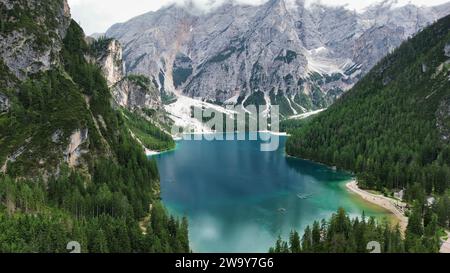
(392, 128)
(151, 136)
(291, 125)
(110, 202)
(341, 234)
(36, 219)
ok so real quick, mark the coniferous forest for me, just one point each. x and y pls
(341, 234)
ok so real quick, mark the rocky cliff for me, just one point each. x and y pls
(4, 103)
(137, 92)
(302, 56)
(108, 54)
(133, 91)
(50, 120)
(31, 34)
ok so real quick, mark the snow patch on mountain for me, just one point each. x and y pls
(181, 113)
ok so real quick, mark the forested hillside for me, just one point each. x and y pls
(72, 171)
(385, 128)
(148, 133)
(392, 128)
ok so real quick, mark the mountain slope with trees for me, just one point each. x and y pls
(392, 128)
(72, 171)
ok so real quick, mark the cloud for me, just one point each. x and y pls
(207, 5)
(99, 15)
(360, 5)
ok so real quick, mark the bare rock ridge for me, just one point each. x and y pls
(300, 57)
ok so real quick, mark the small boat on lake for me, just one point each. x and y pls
(282, 210)
(304, 196)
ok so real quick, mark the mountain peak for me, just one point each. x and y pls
(278, 4)
(279, 7)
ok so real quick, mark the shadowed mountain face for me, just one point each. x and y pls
(300, 57)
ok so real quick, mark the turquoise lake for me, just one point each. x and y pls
(239, 199)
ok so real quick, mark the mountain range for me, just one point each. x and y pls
(301, 57)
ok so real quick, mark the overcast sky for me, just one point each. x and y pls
(99, 15)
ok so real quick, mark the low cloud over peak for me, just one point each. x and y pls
(98, 15)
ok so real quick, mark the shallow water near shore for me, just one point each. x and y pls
(239, 199)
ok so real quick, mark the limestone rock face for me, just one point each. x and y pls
(4, 103)
(132, 91)
(75, 148)
(137, 92)
(443, 120)
(28, 49)
(447, 50)
(303, 55)
(109, 58)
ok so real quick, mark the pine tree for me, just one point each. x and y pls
(316, 237)
(307, 240)
(294, 242)
(415, 223)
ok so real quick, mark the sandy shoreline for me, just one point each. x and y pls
(397, 208)
(445, 248)
(151, 153)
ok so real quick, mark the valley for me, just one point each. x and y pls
(287, 126)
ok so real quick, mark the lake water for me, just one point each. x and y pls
(239, 199)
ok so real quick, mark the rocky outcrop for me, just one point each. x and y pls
(137, 92)
(447, 50)
(308, 56)
(375, 43)
(443, 120)
(30, 48)
(133, 91)
(74, 150)
(4, 103)
(109, 57)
